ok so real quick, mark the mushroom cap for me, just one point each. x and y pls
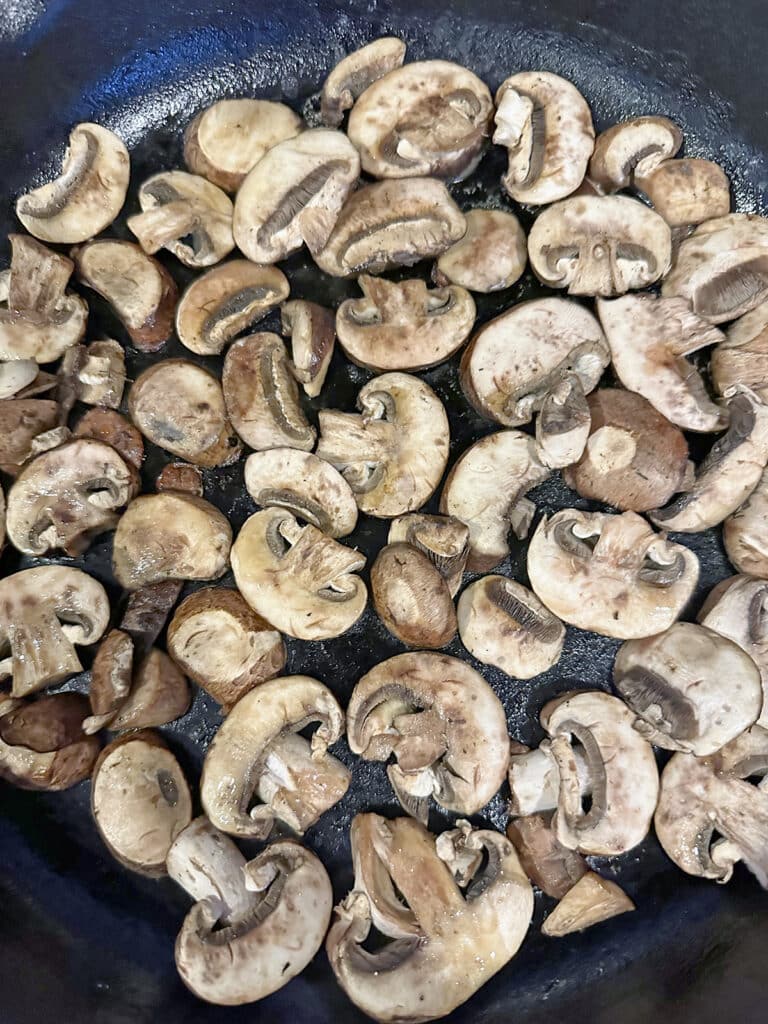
(687, 191)
(742, 358)
(443, 539)
(632, 149)
(411, 597)
(490, 257)
(312, 331)
(21, 421)
(745, 532)
(354, 73)
(146, 612)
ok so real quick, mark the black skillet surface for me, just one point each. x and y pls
(80, 938)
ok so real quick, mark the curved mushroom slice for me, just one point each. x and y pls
(742, 357)
(632, 149)
(610, 573)
(551, 866)
(170, 536)
(301, 581)
(354, 73)
(261, 396)
(159, 694)
(486, 490)
(388, 912)
(186, 215)
(89, 193)
(312, 331)
(491, 256)
(394, 453)
(546, 125)
(391, 224)
(404, 325)
(502, 623)
(443, 723)
(687, 191)
(258, 751)
(411, 597)
(21, 421)
(226, 300)
(599, 245)
(139, 288)
(304, 484)
(745, 533)
(591, 901)
(111, 428)
(534, 779)
(563, 424)
(226, 140)
(294, 194)
(443, 539)
(180, 476)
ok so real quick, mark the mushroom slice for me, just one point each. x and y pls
(228, 138)
(546, 125)
(745, 532)
(294, 194)
(304, 484)
(649, 338)
(491, 256)
(427, 975)
(404, 325)
(261, 396)
(111, 675)
(170, 536)
(391, 224)
(98, 373)
(443, 723)
(515, 360)
(486, 490)
(354, 73)
(610, 574)
(632, 149)
(687, 191)
(39, 318)
(224, 646)
(226, 300)
(67, 496)
(411, 597)
(21, 421)
(742, 357)
(692, 689)
(140, 801)
(16, 376)
(258, 751)
(443, 539)
(388, 912)
(312, 331)
(534, 779)
(89, 193)
(300, 580)
(591, 901)
(159, 694)
(502, 623)
(111, 428)
(563, 424)
(186, 215)
(394, 452)
(180, 476)
(599, 245)
(146, 612)
(634, 459)
(551, 866)
(139, 288)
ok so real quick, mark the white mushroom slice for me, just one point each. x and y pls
(443, 539)
(99, 373)
(312, 331)
(354, 73)
(186, 215)
(15, 376)
(632, 149)
(486, 490)
(404, 325)
(610, 573)
(502, 623)
(304, 484)
(563, 424)
(491, 256)
(591, 901)
(89, 193)
(742, 357)
(21, 421)
(745, 533)
(551, 866)
(226, 140)
(546, 125)
(394, 453)
(602, 245)
(257, 748)
(294, 194)
(301, 581)
(443, 723)
(411, 597)
(159, 694)
(687, 191)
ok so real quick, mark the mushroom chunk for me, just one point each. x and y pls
(96, 373)
(297, 578)
(687, 191)
(180, 476)
(490, 257)
(89, 193)
(21, 421)
(502, 623)
(563, 424)
(534, 779)
(294, 195)
(610, 574)
(599, 245)
(159, 694)
(411, 597)
(426, 975)
(258, 751)
(742, 358)
(551, 866)
(546, 125)
(186, 215)
(354, 73)
(394, 452)
(146, 612)
(111, 428)
(111, 675)
(592, 900)
(443, 539)
(443, 723)
(692, 689)
(745, 533)
(632, 149)
(404, 325)
(311, 329)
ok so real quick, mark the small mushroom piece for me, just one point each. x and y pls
(742, 357)
(354, 73)
(551, 866)
(111, 676)
(146, 612)
(546, 125)
(21, 421)
(226, 140)
(159, 694)
(632, 149)
(486, 490)
(312, 331)
(610, 574)
(394, 452)
(534, 779)
(226, 300)
(112, 428)
(50, 439)
(16, 376)
(490, 257)
(563, 424)
(89, 193)
(100, 376)
(411, 597)
(170, 536)
(258, 751)
(180, 476)
(745, 532)
(687, 191)
(186, 215)
(297, 578)
(502, 623)
(443, 539)
(294, 194)
(404, 325)
(591, 901)
(601, 245)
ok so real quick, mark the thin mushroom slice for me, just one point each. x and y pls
(591, 901)
(563, 424)
(443, 539)
(551, 866)
(745, 532)
(742, 357)
(89, 193)
(312, 331)
(490, 257)
(687, 191)
(21, 421)
(354, 73)
(411, 597)
(632, 149)
(112, 428)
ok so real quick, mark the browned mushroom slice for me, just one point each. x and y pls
(21, 421)
(312, 331)
(180, 476)
(687, 191)
(110, 427)
(551, 866)
(632, 149)
(111, 675)
(146, 612)
(742, 358)
(159, 694)
(745, 533)
(443, 539)
(411, 597)
(591, 901)
(491, 255)
(355, 72)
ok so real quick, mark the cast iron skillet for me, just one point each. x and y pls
(82, 940)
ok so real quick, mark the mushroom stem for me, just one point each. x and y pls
(534, 780)
(208, 865)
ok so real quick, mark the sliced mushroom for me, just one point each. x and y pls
(443, 539)
(563, 424)
(687, 191)
(21, 421)
(16, 376)
(411, 597)
(534, 779)
(180, 476)
(115, 430)
(111, 676)
(89, 193)
(745, 532)
(490, 257)
(146, 612)
(742, 357)
(355, 72)
(159, 694)
(98, 373)
(632, 149)
(551, 866)
(591, 901)
(312, 331)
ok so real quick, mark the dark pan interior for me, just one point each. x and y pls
(80, 938)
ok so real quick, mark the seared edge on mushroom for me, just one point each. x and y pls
(354, 73)
(22, 420)
(113, 429)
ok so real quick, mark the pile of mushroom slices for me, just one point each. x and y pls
(612, 215)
